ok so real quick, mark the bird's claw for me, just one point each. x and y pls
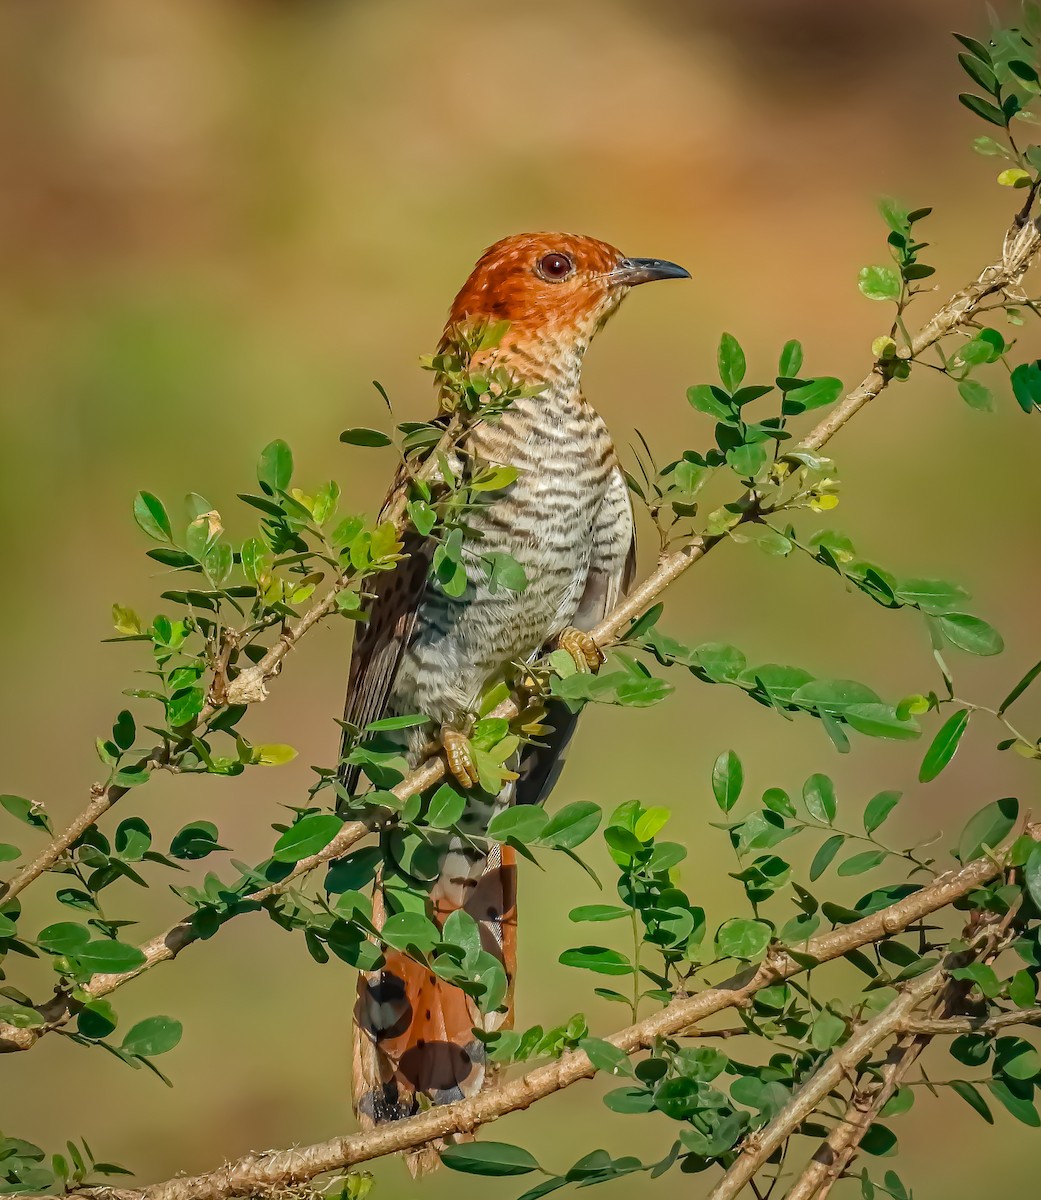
(459, 757)
(583, 649)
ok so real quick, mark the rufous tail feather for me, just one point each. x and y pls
(414, 1044)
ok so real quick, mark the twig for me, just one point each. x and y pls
(1021, 245)
(951, 1026)
(761, 1144)
(833, 1156)
(262, 1173)
(249, 686)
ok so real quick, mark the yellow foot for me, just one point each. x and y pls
(587, 654)
(459, 758)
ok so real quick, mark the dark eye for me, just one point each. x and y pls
(555, 267)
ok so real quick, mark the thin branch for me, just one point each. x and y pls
(249, 686)
(839, 1066)
(833, 1156)
(951, 1026)
(263, 1173)
(1020, 247)
(165, 946)
(101, 800)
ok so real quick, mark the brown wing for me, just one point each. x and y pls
(379, 641)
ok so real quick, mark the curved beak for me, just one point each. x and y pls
(631, 271)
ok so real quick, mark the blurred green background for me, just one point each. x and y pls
(221, 219)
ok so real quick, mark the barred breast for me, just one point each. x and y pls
(545, 520)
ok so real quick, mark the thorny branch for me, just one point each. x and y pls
(833, 1156)
(262, 1174)
(763, 1143)
(249, 686)
(1021, 245)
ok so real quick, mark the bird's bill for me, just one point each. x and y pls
(631, 271)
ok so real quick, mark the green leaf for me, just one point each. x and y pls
(727, 780)
(599, 912)
(971, 1049)
(945, 745)
(195, 840)
(21, 1017)
(1026, 385)
(488, 1158)
(930, 595)
(867, 860)
(1032, 875)
(748, 460)
(629, 1100)
(971, 634)
(1023, 1110)
(103, 955)
(275, 467)
(422, 516)
(879, 283)
(740, 938)
(184, 706)
(818, 794)
(273, 754)
(365, 437)
(505, 572)
(979, 73)
(790, 362)
(731, 360)
(96, 1019)
(817, 393)
(572, 825)
(1016, 1058)
(554, 1183)
(972, 1097)
(878, 808)
(882, 721)
(827, 1030)
(1022, 990)
(605, 1056)
(989, 827)
(154, 1035)
(879, 1140)
(309, 835)
(406, 929)
(598, 959)
(704, 399)
(446, 807)
(822, 859)
(975, 47)
(976, 395)
(1020, 688)
(124, 730)
(9, 853)
(64, 937)
(523, 823)
(410, 721)
(778, 801)
(983, 108)
(26, 811)
(152, 517)
(132, 840)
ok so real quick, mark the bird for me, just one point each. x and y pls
(567, 520)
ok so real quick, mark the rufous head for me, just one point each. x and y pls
(556, 286)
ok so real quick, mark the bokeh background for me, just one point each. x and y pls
(220, 220)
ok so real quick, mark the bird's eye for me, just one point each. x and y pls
(555, 267)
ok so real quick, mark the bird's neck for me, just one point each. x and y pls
(552, 364)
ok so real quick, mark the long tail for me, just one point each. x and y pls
(414, 1044)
